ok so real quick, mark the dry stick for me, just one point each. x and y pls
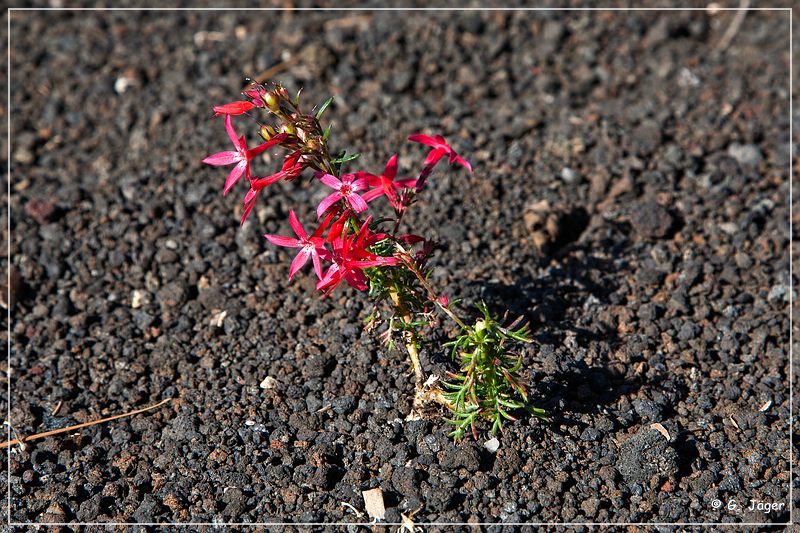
(736, 23)
(271, 71)
(21, 440)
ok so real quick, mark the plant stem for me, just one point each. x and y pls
(421, 396)
(406, 258)
(410, 338)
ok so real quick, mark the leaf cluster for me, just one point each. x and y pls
(487, 385)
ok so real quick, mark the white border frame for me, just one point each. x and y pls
(10, 11)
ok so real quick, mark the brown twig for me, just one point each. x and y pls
(274, 69)
(733, 29)
(21, 440)
(347, 22)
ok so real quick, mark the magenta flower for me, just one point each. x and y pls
(440, 149)
(385, 184)
(313, 246)
(240, 157)
(234, 108)
(293, 165)
(345, 189)
(350, 257)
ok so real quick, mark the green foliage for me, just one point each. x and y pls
(487, 385)
(323, 107)
(344, 158)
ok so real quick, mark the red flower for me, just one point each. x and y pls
(234, 108)
(385, 184)
(339, 225)
(313, 246)
(240, 157)
(350, 257)
(293, 165)
(440, 149)
(345, 189)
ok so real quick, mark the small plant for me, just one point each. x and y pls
(354, 245)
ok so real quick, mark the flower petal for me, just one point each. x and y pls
(463, 162)
(234, 176)
(249, 202)
(356, 279)
(327, 202)
(251, 153)
(374, 193)
(331, 181)
(299, 261)
(424, 139)
(433, 157)
(391, 168)
(379, 261)
(356, 202)
(234, 108)
(231, 132)
(222, 158)
(358, 185)
(288, 242)
(259, 183)
(317, 264)
(298, 229)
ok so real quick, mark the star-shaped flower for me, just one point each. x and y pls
(313, 246)
(440, 149)
(240, 157)
(350, 256)
(344, 189)
(385, 184)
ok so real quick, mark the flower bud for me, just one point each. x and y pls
(313, 145)
(271, 101)
(288, 129)
(266, 132)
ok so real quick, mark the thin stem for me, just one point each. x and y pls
(410, 336)
(78, 426)
(406, 258)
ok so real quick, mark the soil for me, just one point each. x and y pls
(629, 199)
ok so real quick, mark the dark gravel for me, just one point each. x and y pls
(629, 198)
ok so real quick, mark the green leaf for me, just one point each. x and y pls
(327, 132)
(539, 413)
(323, 107)
(297, 97)
(344, 158)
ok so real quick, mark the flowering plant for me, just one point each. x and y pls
(351, 244)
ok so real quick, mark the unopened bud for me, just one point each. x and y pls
(288, 129)
(271, 101)
(313, 145)
(266, 132)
